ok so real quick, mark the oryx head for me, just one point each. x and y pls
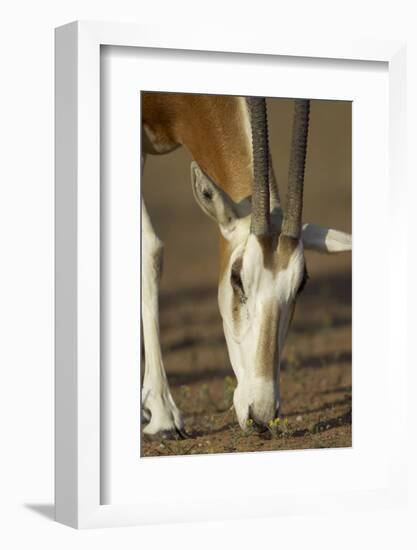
(263, 264)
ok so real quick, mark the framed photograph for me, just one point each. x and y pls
(220, 347)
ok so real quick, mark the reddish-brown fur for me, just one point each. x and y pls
(214, 129)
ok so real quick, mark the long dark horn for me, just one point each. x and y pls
(291, 224)
(274, 199)
(260, 223)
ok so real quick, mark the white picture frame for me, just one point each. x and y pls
(78, 478)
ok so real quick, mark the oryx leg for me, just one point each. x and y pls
(157, 402)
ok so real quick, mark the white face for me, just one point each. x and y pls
(258, 289)
(257, 294)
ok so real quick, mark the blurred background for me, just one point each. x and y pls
(316, 372)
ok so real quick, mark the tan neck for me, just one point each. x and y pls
(214, 129)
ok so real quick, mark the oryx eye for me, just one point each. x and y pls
(236, 281)
(235, 277)
(303, 282)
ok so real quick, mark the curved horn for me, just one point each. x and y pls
(291, 224)
(260, 223)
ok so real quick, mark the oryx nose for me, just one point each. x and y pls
(259, 424)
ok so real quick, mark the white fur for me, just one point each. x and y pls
(156, 396)
(264, 289)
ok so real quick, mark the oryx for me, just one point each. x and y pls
(262, 265)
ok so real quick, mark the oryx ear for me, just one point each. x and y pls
(324, 239)
(213, 200)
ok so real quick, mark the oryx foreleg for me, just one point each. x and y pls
(157, 400)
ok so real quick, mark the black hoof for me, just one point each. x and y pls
(173, 435)
(146, 416)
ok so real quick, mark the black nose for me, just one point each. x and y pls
(259, 426)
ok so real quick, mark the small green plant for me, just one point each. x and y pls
(287, 428)
(274, 427)
(280, 428)
(250, 427)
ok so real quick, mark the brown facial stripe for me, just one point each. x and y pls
(268, 245)
(267, 352)
(268, 347)
(277, 251)
(286, 248)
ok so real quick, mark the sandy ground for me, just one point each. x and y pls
(316, 379)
